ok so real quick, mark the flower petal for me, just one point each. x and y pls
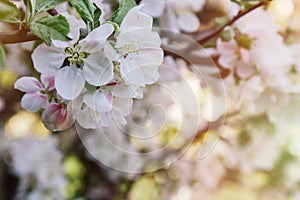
(69, 82)
(28, 84)
(151, 74)
(98, 101)
(122, 107)
(34, 101)
(140, 38)
(124, 91)
(49, 59)
(136, 18)
(148, 56)
(154, 8)
(75, 26)
(98, 70)
(87, 119)
(57, 118)
(96, 39)
(188, 22)
(132, 73)
(48, 81)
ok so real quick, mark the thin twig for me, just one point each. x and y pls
(216, 32)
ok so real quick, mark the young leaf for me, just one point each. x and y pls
(124, 7)
(30, 11)
(97, 15)
(51, 27)
(9, 12)
(42, 5)
(2, 57)
(85, 9)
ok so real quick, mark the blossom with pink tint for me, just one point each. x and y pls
(36, 96)
(273, 60)
(258, 23)
(56, 117)
(235, 58)
(182, 15)
(104, 106)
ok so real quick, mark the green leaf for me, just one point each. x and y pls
(97, 15)
(51, 27)
(42, 5)
(124, 7)
(9, 12)
(2, 57)
(85, 9)
(29, 13)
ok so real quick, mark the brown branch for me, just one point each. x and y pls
(208, 35)
(189, 58)
(22, 35)
(216, 32)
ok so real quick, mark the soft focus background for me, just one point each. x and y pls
(256, 156)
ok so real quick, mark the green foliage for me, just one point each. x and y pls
(9, 12)
(97, 14)
(42, 5)
(51, 27)
(75, 172)
(144, 188)
(35, 7)
(124, 7)
(30, 12)
(2, 57)
(85, 9)
(90, 13)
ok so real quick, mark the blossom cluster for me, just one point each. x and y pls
(40, 168)
(93, 79)
(174, 14)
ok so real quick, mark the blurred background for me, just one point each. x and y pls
(254, 158)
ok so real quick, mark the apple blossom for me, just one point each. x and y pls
(182, 15)
(139, 49)
(37, 93)
(85, 58)
(235, 58)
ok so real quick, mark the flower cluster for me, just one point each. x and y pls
(41, 168)
(176, 15)
(93, 80)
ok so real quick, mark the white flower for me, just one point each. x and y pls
(273, 60)
(139, 49)
(181, 15)
(257, 23)
(233, 57)
(104, 105)
(86, 60)
(153, 8)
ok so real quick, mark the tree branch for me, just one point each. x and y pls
(214, 33)
(22, 35)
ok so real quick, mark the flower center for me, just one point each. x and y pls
(76, 55)
(131, 48)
